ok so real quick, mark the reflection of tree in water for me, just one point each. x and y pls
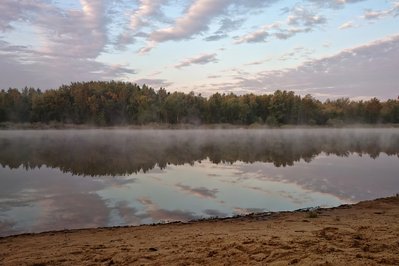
(119, 152)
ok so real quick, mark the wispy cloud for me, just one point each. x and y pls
(44, 71)
(146, 11)
(259, 35)
(299, 52)
(195, 21)
(335, 4)
(362, 70)
(154, 83)
(70, 41)
(299, 20)
(347, 25)
(302, 16)
(197, 60)
(47, 43)
(197, 18)
(258, 62)
(201, 192)
(379, 14)
(226, 25)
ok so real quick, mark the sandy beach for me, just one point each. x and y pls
(366, 233)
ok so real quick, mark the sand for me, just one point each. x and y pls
(363, 234)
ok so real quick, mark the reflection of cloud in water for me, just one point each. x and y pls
(72, 211)
(300, 199)
(295, 197)
(245, 211)
(267, 191)
(156, 214)
(59, 201)
(7, 227)
(156, 178)
(119, 182)
(63, 200)
(19, 183)
(157, 170)
(129, 214)
(201, 192)
(15, 202)
(213, 175)
(214, 213)
(351, 178)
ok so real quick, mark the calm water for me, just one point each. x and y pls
(89, 178)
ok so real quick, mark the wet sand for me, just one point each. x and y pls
(363, 234)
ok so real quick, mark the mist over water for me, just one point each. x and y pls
(120, 152)
(55, 179)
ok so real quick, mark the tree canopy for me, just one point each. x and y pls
(122, 103)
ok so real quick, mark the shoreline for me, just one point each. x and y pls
(358, 234)
(249, 216)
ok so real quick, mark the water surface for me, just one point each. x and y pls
(89, 178)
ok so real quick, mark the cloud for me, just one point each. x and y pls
(374, 15)
(154, 83)
(299, 20)
(201, 192)
(72, 33)
(347, 25)
(253, 3)
(198, 60)
(302, 16)
(258, 62)
(199, 15)
(296, 53)
(148, 10)
(335, 4)
(70, 40)
(358, 71)
(256, 36)
(45, 72)
(24, 12)
(144, 50)
(216, 37)
(368, 70)
(195, 21)
(371, 14)
(226, 25)
(284, 34)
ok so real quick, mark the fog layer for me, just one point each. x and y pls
(119, 152)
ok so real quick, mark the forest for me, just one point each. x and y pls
(111, 103)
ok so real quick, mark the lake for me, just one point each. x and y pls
(65, 179)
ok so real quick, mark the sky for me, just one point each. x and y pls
(326, 48)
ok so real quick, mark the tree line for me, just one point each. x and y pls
(122, 103)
